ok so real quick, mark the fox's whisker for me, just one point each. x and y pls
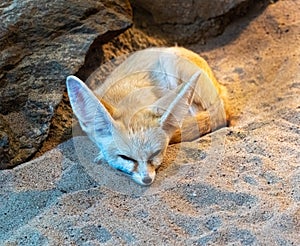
(98, 158)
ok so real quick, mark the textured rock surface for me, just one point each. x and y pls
(42, 42)
(189, 21)
(237, 186)
(186, 12)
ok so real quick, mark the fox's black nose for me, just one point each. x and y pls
(147, 180)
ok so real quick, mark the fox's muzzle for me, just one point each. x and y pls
(145, 174)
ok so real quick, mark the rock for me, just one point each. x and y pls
(8, 145)
(189, 21)
(186, 12)
(42, 42)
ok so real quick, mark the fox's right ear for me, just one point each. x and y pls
(92, 115)
(175, 106)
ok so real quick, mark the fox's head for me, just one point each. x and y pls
(132, 142)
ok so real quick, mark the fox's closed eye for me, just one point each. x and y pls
(154, 154)
(127, 158)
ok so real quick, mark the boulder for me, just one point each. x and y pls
(186, 12)
(189, 21)
(42, 42)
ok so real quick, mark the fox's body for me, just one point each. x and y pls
(156, 97)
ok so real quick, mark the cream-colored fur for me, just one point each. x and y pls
(156, 97)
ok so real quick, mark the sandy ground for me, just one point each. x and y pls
(237, 186)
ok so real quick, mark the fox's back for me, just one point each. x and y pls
(148, 75)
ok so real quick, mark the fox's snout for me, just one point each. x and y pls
(144, 180)
(144, 175)
(147, 180)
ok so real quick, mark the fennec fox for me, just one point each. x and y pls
(152, 99)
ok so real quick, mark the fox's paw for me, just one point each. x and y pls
(98, 158)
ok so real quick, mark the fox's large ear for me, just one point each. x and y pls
(175, 105)
(92, 115)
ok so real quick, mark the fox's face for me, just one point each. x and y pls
(133, 143)
(137, 154)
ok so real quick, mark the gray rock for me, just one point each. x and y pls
(42, 42)
(189, 21)
(186, 12)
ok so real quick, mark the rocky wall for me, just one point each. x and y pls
(42, 42)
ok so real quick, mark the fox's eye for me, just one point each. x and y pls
(127, 158)
(154, 154)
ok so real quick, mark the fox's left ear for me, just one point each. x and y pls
(175, 105)
(91, 113)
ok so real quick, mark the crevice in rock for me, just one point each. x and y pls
(94, 56)
(61, 126)
(89, 12)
